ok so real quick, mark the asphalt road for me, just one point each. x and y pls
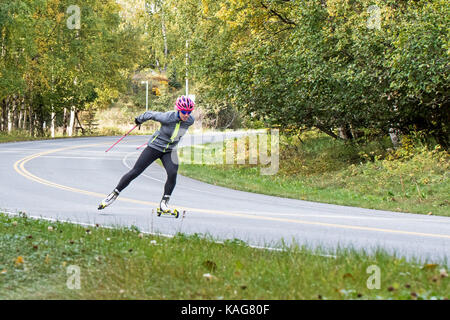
(67, 178)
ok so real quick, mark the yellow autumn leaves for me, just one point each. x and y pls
(19, 261)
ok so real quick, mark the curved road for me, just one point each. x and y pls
(66, 179)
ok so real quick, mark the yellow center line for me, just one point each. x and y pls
(19, 167)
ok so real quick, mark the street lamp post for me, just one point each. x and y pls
(187, 63)
(146, 94)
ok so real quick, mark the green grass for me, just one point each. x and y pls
(412, 179)
(121, 264)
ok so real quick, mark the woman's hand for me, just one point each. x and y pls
(138, 123)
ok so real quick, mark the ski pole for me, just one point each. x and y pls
(141, 146)
(121, 138)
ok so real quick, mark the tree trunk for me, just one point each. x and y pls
(72, 121)
(7, 115)
(52, 128)
(2, 122)
(9, 119)
(24, 122)
(79, 122)
(393, 133)
(342, 133)
(158, 65)
(16, 114)
(353, 132)
(19, 122)
(327, 131)
(35, 124)
(346, 132)
(39, 117)
(65, 122)
(31, 122)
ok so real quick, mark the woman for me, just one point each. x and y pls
(162, 145)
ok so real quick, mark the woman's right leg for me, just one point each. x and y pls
(145, 159)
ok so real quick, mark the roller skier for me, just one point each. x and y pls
(162, 145)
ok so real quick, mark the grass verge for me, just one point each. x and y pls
(411, 179)
(125, 264)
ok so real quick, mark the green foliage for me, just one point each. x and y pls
(173, 82)
(319, 63)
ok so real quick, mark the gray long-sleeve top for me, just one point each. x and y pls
(172, 129)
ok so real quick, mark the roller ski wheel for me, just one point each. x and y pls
(173, 213)
(108, 200)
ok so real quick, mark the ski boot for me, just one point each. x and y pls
(109, 199)
(164, 208)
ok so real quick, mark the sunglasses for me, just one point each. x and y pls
(185, 112)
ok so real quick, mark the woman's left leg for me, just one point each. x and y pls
(145, 159)
(170, 163)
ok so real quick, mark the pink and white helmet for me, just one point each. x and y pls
(185, 103)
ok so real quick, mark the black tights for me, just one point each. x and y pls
(145, 159)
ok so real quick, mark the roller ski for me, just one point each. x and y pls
(108, 200)
(164, 208)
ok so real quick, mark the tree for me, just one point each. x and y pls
(52, 67)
